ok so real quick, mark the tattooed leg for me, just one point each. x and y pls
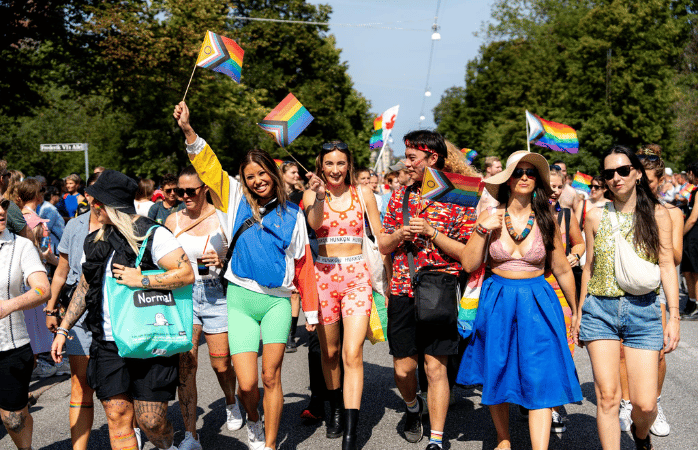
(219, 353)
(187, 383)
(119, 411)
(19, 425)
(81, 414)
(152, 417)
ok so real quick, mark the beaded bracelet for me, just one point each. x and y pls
(63, 331)
(482, 230)
(436, 233)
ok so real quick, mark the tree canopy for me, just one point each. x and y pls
(110, 72)
(616, 71)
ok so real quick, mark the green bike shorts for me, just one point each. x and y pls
(249, 313)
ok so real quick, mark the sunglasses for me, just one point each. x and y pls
(169, 191)
(519, 172)
(555, 167)
(650, 158)
(4, 204)
(331, 146)
(594, 186)
(191, 192)
(623, 171)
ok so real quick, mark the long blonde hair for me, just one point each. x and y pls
(124, 223)
(456, 162)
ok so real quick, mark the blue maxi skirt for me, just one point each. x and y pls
(518, 350)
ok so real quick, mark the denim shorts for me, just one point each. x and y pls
(210, 308)
(81, 336)
(636, 320)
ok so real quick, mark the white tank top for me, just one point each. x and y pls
(194, 248)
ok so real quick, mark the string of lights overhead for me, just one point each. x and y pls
(435, 36)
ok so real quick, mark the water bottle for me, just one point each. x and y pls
(45, 242)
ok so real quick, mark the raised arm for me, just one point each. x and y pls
(314, 200)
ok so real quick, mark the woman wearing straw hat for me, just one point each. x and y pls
(518, 351)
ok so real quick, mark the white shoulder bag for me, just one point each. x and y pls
(372, 256)
(634, 275)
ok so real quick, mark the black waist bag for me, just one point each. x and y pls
(435, 296)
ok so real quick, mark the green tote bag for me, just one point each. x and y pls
(148, 322)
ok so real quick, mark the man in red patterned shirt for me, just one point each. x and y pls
(406, 337)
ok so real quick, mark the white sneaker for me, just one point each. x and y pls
(255, 434)
(660, 427)
(557, 425)
(624, 415)
(63, 368)
(139, 437)
(44, 369)
(189, 443)
(234, 416)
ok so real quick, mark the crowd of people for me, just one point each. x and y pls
(555, 268)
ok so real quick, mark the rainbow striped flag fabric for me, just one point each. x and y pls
(221, 54)
(382, 126)
(582, 182)
(376, 141)
(552, 135)
(287, 121)
(470, 155)
(451, 188)
(686, 191)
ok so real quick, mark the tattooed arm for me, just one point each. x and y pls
(178, 272)
(78, 305)
(39, 292)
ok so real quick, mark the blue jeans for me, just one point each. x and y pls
(210, 306)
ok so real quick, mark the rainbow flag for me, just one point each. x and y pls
(552, 135)
(582, 182)
(376, 141)
(470, 155)
(221, 54)
(686, 191)
(451, 188)
(278, 162)
(287, 120)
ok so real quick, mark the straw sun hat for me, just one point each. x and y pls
(536, 159)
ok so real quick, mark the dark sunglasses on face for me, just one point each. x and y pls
(4, 204)
(331, 146)
(650, 158)
(169, 191)
(191, 192)
(519, 172)
(555, 167)
(595, 186)
(623, 171)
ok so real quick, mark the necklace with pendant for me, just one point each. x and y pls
(510, 228)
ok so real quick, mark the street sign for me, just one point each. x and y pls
(63, 147)
(68, 148)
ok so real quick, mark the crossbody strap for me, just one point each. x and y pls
(247, 224)
(195, 223)
(144, 244)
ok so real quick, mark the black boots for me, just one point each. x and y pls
(351, 418)
(335, 423)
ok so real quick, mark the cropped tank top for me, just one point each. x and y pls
(533, 260)
(194, 248)
(342, 227)
(603, 278)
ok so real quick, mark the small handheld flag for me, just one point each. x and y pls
(470, 155)
(286, 121)
(686, 191)
(552, 135)
(582, 182)
(221, 54)
(451, 188)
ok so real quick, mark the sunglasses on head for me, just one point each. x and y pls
(332, 146)
(191, 192)
(519, 172)
(650, 158)
(623, 171)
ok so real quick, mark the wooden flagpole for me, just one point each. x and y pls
(297, 162)
(385, 142)
(528, 143)
(188, 84)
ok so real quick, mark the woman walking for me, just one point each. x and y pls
(125, 386)
(646, 225)
(269, 254)
(333, 206)
(518, 350)
(198, 229)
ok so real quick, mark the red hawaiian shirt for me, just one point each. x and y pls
(455, 221)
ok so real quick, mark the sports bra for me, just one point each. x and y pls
(193, 246)
(342, 227)
(533, 260)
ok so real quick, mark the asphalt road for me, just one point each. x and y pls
(468, 426)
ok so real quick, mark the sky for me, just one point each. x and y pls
(389, 66)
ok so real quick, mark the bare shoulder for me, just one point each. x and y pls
(661, 212)
(594, 216)
(366, 192)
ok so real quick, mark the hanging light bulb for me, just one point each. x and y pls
(422, 117)
(427, 94)
(435, 36)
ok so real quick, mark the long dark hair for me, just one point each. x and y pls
(320, 160)
(646, 229)
(267, 163)
(541, 208)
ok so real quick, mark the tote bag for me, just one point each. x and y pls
(150, 322)
(372, 256)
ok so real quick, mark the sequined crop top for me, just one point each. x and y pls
(342, 227)
(603, 273)
(533, 260)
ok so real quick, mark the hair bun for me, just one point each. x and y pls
(651, 149)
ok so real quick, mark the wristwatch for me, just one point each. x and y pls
(579, 258)
(145, 281)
